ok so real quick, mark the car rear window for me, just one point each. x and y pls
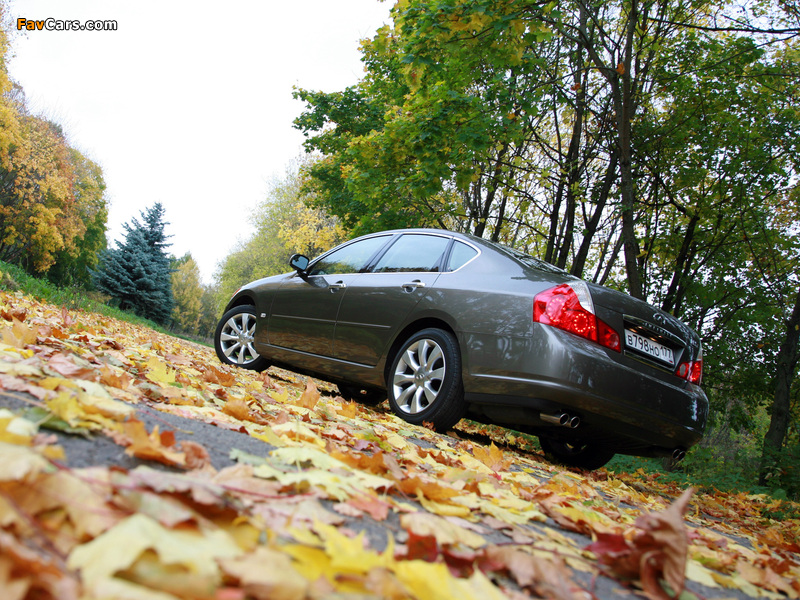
(460, 255)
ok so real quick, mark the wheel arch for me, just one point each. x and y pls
(410, 330)
(245, 299)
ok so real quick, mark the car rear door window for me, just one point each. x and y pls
(460, 255)
(348, 259)
(413, 253)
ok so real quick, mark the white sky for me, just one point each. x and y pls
(189, 102)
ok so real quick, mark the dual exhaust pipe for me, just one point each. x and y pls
(573, 421)
(561, 419)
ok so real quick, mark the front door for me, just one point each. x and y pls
(304, 309)
(379, 302)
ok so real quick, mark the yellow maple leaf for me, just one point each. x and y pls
(239, 409)
(349, 554)
(18, 463)
(16, 430)
(347, 409)
(18, 335)
(267, 573)
(446, 532)
(121, 546)
(440, 508)
(158, 372)
(312, 563)
(433, 581)
(493, 457)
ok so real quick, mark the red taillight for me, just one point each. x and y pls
(692, 371)
(561, 307)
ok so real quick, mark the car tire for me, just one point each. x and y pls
(424, 381)
(367, 396)
(234, 336)
(570, 454)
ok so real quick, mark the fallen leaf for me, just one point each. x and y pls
(214, 375)
(266, 574)
(548, 578)
(119, 548)
(310, 396)
(657, 551)
(18, 335)
(152, 446)
(66, 367)
(445, 532)
(492, 457)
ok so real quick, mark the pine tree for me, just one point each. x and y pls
(137, 274)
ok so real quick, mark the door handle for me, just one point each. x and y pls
(411, 286)
(339, 285)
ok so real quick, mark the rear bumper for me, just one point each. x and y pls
(619, 400)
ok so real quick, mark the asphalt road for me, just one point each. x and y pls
(99, 450)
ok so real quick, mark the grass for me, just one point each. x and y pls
(15, 279)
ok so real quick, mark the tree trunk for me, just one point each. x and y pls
(625, 108)
(579, 264)
(788, 356)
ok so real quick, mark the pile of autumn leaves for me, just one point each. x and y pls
(344, 501)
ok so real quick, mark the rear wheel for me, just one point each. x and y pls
(370, 397)
(424, 382)
(234, 338)
(576, 454)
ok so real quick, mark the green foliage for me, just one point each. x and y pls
(209, 312)
(632, 144)
(136, 274)
(727, 460)
(187, 293)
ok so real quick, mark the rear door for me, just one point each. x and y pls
(378, 302)
(304, 309)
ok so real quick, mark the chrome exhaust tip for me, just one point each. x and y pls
(561, 419)
(678, 454)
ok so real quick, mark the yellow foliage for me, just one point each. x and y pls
(193, 550)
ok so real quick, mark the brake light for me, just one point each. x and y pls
(569, 307)
(692, 371)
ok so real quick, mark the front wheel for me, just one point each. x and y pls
(234, 339)
(424, 382)
(576, 454)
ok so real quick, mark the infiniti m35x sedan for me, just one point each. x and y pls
(448, 325)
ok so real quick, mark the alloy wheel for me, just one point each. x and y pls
(236, 339)
(419, 375)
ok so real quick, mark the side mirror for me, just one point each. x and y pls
(299, 262)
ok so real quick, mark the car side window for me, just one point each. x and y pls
(460, 254)
(413, 252)
(348, 259)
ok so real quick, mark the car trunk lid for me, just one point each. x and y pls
(648, 333)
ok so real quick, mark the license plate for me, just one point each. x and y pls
(647, 346)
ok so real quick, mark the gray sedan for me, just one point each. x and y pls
(447, 325)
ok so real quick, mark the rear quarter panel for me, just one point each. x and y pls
(490, 303)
